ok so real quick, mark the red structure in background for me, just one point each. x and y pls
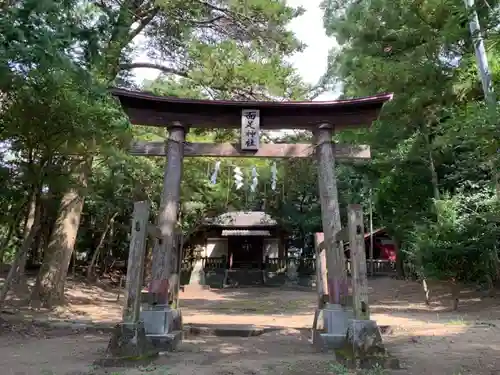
(384, 247)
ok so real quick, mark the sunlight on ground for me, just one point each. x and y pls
(431, 339)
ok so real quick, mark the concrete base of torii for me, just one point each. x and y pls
(353, 342)
(129, 341)
(163, 326)
(335, 324)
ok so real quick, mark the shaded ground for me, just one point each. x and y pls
(429, 340)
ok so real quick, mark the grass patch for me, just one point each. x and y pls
(263, 307)
(339, 369)
(457, 322)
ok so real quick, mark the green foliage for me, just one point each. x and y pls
(434, 147)
(57, 59)
(69, 110)
(462, 244)
(436, 144)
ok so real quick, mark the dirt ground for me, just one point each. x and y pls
(426, 339)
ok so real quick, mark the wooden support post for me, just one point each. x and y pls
(330, 216)
(153, 232)
(321, 274)
(321, 283)
(164, 270)
(372, 268)
(136, 257)
(358, 262)
(179, 243)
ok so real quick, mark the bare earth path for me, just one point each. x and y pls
(428, 340)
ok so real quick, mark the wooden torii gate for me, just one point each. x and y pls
(178, 115)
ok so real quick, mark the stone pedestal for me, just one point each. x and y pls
(335, 322)
(129, 341)
(163, 326)
(336, 318)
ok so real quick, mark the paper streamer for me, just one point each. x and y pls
(274, 174)
(238, 178)
(255, 180)
(213, 178)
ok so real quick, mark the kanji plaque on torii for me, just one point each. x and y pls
(250, 129)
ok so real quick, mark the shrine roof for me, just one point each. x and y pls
(242, 219)
(145, 108)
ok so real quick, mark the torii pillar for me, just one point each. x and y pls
(162, 320)
(165, 253)
(335, 315)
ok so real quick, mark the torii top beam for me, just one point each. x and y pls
(147, 109)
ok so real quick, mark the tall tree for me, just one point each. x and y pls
(229, 49)
(422, 52)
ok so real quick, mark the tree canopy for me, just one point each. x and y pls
(436, 144)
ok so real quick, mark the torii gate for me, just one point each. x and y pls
(178, 115)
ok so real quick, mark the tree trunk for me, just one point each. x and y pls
(400, 269)
(90, 268)
(432, 166)
(37, 243)
(455, 294)
(52, 203)
(496, 181)
(425, 287)
(495, 261)
(26, 245)
(34, 210)
(10, 232)
(491, 286)
(434, 177)
(49, 288)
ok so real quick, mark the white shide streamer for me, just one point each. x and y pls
(213, 178)
(255, 180)
(274, 174)
(238, 178)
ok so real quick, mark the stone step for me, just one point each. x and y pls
(228, 330)
(244, 278)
